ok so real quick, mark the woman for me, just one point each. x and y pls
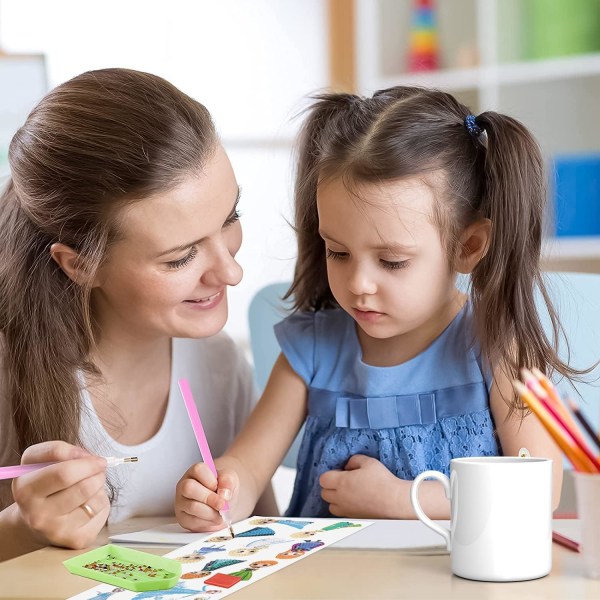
(120, 229)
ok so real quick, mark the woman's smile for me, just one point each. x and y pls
(207, 302)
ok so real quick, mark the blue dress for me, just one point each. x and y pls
(412, 417)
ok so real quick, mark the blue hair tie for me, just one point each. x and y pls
(472, 127)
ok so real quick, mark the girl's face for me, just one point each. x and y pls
(168, 274)
(386, 263)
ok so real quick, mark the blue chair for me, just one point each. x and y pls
(266, 309)
(576, 297)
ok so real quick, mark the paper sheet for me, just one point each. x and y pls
(383, 535)
(263, 545)
(171, 534)
(408, 536)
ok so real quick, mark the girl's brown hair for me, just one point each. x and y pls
(494, 171)
(93, 144)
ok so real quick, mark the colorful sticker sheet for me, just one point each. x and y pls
(216, 565)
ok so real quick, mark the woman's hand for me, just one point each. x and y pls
(63, 504)
(199, 497)
(365, 489)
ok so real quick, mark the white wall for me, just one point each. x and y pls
(252, 63)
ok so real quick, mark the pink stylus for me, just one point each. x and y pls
(188, 399)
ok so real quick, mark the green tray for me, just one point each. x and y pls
(130, 569)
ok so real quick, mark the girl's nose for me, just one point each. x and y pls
(360, 280)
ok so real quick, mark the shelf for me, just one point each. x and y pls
(504, 74)
(572, 247)
(448, 79)
(549, 70)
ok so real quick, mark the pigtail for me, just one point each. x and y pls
(505, 280)
(310, 288)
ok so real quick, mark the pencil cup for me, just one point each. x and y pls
(501, 516)
(587, 490)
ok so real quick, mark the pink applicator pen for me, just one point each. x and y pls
(192, 410)
(18, 470)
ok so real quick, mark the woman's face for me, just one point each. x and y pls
(169, 272)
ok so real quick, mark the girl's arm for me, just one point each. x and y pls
(248, 465)
(515, 432)
(366, 489)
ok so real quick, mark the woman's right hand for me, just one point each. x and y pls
(63, 504)
(199, 497)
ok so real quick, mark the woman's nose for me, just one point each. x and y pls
(224, 270)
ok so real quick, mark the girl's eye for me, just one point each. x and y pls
(177, 264)
(335, 255)
(233, 218)
(393, 265)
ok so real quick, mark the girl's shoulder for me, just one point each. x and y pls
(457, 351)
(314, 326)
(305, 337)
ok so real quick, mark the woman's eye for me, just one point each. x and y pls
(233, 218)
(393, 265)
(177, 264)
(335, 255)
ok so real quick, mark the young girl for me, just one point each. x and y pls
(119, 230)
(394, 370)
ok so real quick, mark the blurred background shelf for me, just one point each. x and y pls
(580, 254)
(474, 78)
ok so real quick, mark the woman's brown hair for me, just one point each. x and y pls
(93, 144)
(492, 169)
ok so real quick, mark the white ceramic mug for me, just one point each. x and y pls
(501, 516)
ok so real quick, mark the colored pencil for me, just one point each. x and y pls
(18, 470)
(552, 392)
(561, 416)
(547, 385)
(578, 459)
(584, 422)
(563, 540)
(192, 410)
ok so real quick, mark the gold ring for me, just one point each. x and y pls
(88, 510)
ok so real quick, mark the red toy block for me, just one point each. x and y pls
(223, 580)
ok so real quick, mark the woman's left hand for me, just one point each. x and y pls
(365, 489)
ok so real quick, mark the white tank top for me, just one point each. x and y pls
(222, 383)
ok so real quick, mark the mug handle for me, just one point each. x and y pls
(414, 499)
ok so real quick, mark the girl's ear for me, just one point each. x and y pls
(474, 243)
(70, 262)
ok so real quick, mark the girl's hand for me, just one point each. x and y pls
(63, 504)
(199, 497)
(365, 489)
